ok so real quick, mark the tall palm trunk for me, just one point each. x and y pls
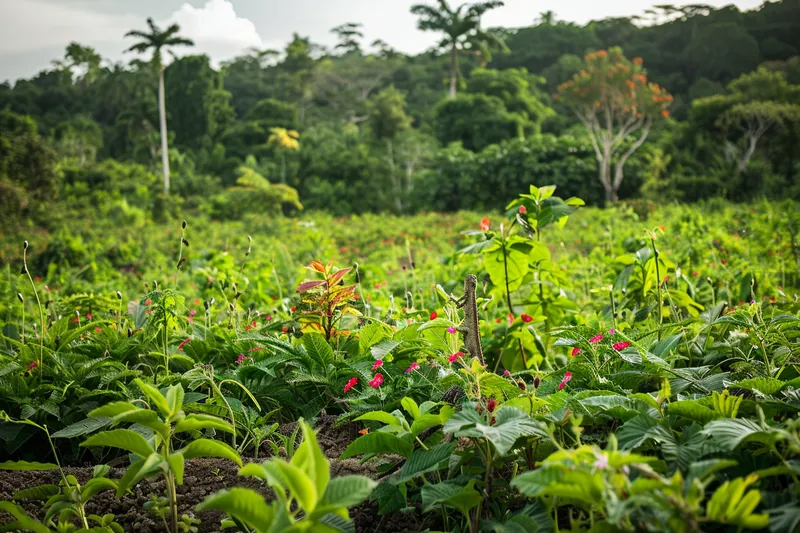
(453, 71)
(162, 111)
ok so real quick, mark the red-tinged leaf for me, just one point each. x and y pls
(308, 285)
(316, 265)
(337, 276)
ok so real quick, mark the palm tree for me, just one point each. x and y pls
(462, 29)
(159, 39)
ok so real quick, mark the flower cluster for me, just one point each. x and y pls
(350, 384)
(377, 381)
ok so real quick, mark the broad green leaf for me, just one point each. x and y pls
(175, 398)
(82, 428)
(450, 494)
(27, 465)
(41, 493)
(318, 349)
(378, 443)
(425, 422)
(210, 448)
(347, 491)
(121, 438)
(113, 409)
(300, 485)
(692, 410)
(383, 348)
(766, 385)
(194, 422)
(244, 504)
(125, 482)
(423, 461)
(510, 425)
(310, 459)
(176, 462)
(380, 416)
(411, 407)
(154, 396)
(93, 486)
(731, 432)
(144, 417)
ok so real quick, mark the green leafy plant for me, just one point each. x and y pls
(307, 498)
(159, 454)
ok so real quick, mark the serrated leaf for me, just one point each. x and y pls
(422, 462)
(450, 494)
(41, 493)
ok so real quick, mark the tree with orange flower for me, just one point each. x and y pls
(618, 106)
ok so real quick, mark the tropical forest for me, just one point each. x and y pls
(537, 278)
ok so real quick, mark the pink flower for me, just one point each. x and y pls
(602, 462)
(148, 301)
(612, 331)
(619, 346)
(565, 380)
(98, 330)
(526, 318)
(575, 351)
(377, 365)
(184, 343)
(350, 384)
(506, 373)
(256, 349)
(455, 356)
(597, 338)
(88, 316)
(377, 381)
(192, 312)
(522, 210)
(269, 318)
(694, 274)
(190, 320)
(33, 365)
(434, 315)
(451, 330)
(414, 366)
(242, 358)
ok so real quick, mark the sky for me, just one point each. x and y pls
(35, 32)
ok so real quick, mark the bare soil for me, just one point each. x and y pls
(205, 476)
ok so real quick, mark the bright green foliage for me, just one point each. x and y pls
(307, 498)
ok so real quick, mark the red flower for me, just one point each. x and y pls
(256, 349)
(455, 356)
(377, 365)
(575, 351)
(694, 274)
(565, 380)
(88, 316)
(98, 330)
(284, 329)
(363, 431)
(148, 301)
(350, 384)
(275, 297)
(434, 315)
(485, 224)
(242, 358)
(526, 318)
(597, 338)
(522, 210)
(377, 381)
(491, 405)
(414, 366)
(293, 309)
(76, 319)
(619, 346)
(33, 365)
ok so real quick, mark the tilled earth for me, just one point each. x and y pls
(205, 476)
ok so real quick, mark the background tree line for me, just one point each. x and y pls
(711, 108)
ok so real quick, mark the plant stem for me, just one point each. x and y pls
(658, 287)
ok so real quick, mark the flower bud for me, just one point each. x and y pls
(119, 295)
(521, 384)
(20, 298)
(25, 245)
(536, 382)
(183, 225)
(491, 405)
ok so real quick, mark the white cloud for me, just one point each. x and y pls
(216, 30)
